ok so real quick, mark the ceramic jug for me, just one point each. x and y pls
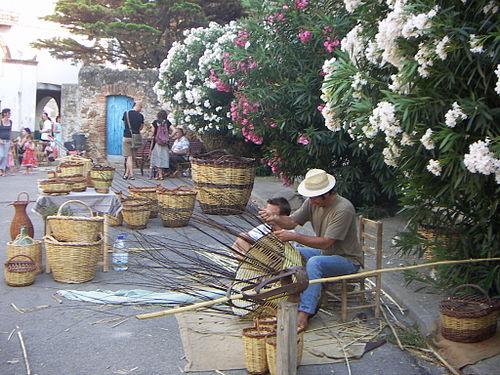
(21, 218)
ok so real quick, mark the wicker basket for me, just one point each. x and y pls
(75, 228)
(19, 272)
(79, 183)
(136, 212)
(102, 172)
(468, 318)
(224, 182)
(33, 250)
(55, 186)
(254, 348)
(266, 321)
(52, 174)
(148, 192)
(176, 205)
(266, 255)
(70, 168)
(72, 262)
(435, 236)
(271, 350)
(101, 185)
(115, 221)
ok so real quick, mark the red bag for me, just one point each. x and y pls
(162, 136)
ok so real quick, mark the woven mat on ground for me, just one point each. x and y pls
(460, 354)
(213, 341)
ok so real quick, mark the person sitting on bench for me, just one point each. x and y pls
(179, 152)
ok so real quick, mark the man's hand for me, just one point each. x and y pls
(267, 216)
(285, 236)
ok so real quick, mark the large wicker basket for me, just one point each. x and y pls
(267, 255)
(136, 212)
(176, 205)
(102, 172)
(19, 272)
(72, 262)
(70, 168)
(55, 186)
(254, 348)
(224, 182)
(75, 228)
(33, 250)
(271, 350)
(79, 183)
(468, 318)
(148, 192)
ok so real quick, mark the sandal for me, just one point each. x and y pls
(125, 177)
(131, 178)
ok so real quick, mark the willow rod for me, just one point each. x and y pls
(197, 306)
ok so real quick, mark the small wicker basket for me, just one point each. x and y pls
(271, 350)
(19, 272)
(468, 318)
(136, 212)
(102, 172)
(75, 228)
(79, 183)
(176, 205)
(33, 250)
(254, 348)
(72, 262)
(55, 186)
(70, 168)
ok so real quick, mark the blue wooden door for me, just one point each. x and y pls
(116, 105)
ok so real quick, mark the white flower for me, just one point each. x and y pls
(351, 5)
(491, 6)
(453, 115)
(391, 153)
(441, 48)
(398, 86)
(497, 87)
(427, 140)
(331, 120)
(383, 118)
(481, 160)
(406, 140)
(434, 167)
(475, 44)
(372, 52)
(389, 30)
(329, 66)
(424, 59)
(369, 131)
(178, 96)
(417, 23)
(353, 43)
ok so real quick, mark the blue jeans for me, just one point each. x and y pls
(4, 154)
(319, 266)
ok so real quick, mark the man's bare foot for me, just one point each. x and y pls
(302, 319)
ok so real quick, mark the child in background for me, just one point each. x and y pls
(11, 164)
(29, 156)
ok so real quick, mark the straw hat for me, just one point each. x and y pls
(316, 183)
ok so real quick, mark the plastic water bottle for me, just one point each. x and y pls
(120, 254)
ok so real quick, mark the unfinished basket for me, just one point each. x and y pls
(468, 318)
(176, 205)
(224, 182)
(72, 262)
(136, 212)
(70, 168)
(75, 228)
(18, 272)
(33, 250)
(267, 255)
(254, 348)
(148, 192)
(271, 350)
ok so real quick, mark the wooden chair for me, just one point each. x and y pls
(196, 147)
(353, 292)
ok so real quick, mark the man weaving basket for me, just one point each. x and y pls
(335, 250)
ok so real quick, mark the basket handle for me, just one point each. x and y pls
(20, 255)
(472, 286)
(23, 192)
(74, 201)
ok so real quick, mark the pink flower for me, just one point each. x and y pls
(320, 108)
(285, 7)
(330, 46)
(327, 29)
(303, 141)
(280, 17)
(270, 19)
(305, 36)
(300, 4)
(273, 125)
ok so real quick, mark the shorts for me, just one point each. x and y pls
(127, 149)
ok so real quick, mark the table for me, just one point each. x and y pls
(105, 204)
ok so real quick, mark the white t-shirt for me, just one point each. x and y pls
(47, 125)
(181, 144)
(263, 229)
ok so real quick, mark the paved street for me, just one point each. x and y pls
(77, 338)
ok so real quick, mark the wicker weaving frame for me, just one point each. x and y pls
(72, 262)
(19, 272)
(176, 205)
(75, 228)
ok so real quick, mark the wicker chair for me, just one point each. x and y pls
(352, 294)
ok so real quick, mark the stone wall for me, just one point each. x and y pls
(84, 109)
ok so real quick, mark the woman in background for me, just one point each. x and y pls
(58, 137)
(160, 152)
(47, 131)
(5, 130)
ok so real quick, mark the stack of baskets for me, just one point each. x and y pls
(87, 165)
(19, 270)
(148, 192)
(259, 345)
(70, 168)
(468, 317)
(176, 205)
(224, 182)
(73, 245)
(102, 177)
(136, 212)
